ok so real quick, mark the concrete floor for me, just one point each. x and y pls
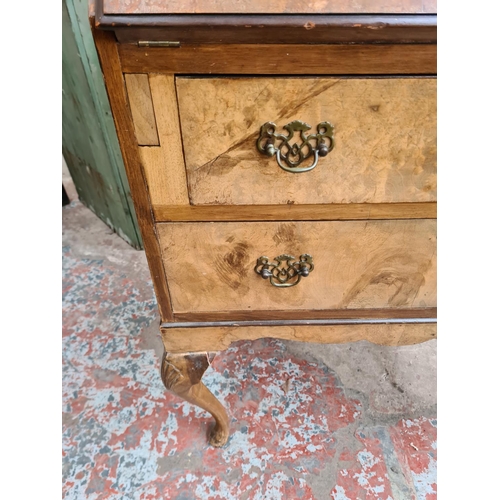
(348, 422)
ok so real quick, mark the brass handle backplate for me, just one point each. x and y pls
(289, 154)
(285, 270)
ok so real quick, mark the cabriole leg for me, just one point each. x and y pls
(181, 374)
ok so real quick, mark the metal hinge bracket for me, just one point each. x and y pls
(157, 43)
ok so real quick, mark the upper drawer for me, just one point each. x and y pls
(384, 139)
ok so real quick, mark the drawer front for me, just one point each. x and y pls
(384, 139)
(357, 264)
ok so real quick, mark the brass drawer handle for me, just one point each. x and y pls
(285, 270)
(271, 143)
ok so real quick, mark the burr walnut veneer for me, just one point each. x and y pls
(282, 162)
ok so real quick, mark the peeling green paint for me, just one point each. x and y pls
(90, 144)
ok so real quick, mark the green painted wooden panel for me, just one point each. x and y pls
(90, 145)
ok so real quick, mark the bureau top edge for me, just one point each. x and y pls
(261, 28)
(266, 7)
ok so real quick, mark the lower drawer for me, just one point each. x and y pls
(210, 267)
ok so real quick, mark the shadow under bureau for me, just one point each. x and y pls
(282, 164)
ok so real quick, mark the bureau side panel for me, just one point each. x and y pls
(115, 86)
(358, 265)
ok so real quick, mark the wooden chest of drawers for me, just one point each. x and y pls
(283, 169)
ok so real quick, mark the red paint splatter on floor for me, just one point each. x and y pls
(416, 448)
(363, 473)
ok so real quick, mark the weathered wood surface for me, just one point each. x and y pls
(182, 375)
(220, 338)
(89, 143)
(274, 59)
(164, 166)
(306, 28)
(266, 7)
(385, 139)
(358, 264)
(344, 211)
(141, 106)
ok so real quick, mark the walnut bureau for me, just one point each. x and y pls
(282, 162)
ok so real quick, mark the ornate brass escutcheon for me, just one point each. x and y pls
(285, 271)
(290, 155)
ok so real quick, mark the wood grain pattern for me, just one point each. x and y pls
(358, 264)
(276, 59)
(220, 338)
(155, 164)
(164, 165)
(141, 106)
(115, 86)
(165, 168)
(343, 211)
(385, 139)
(262, 315)
(266, 7)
